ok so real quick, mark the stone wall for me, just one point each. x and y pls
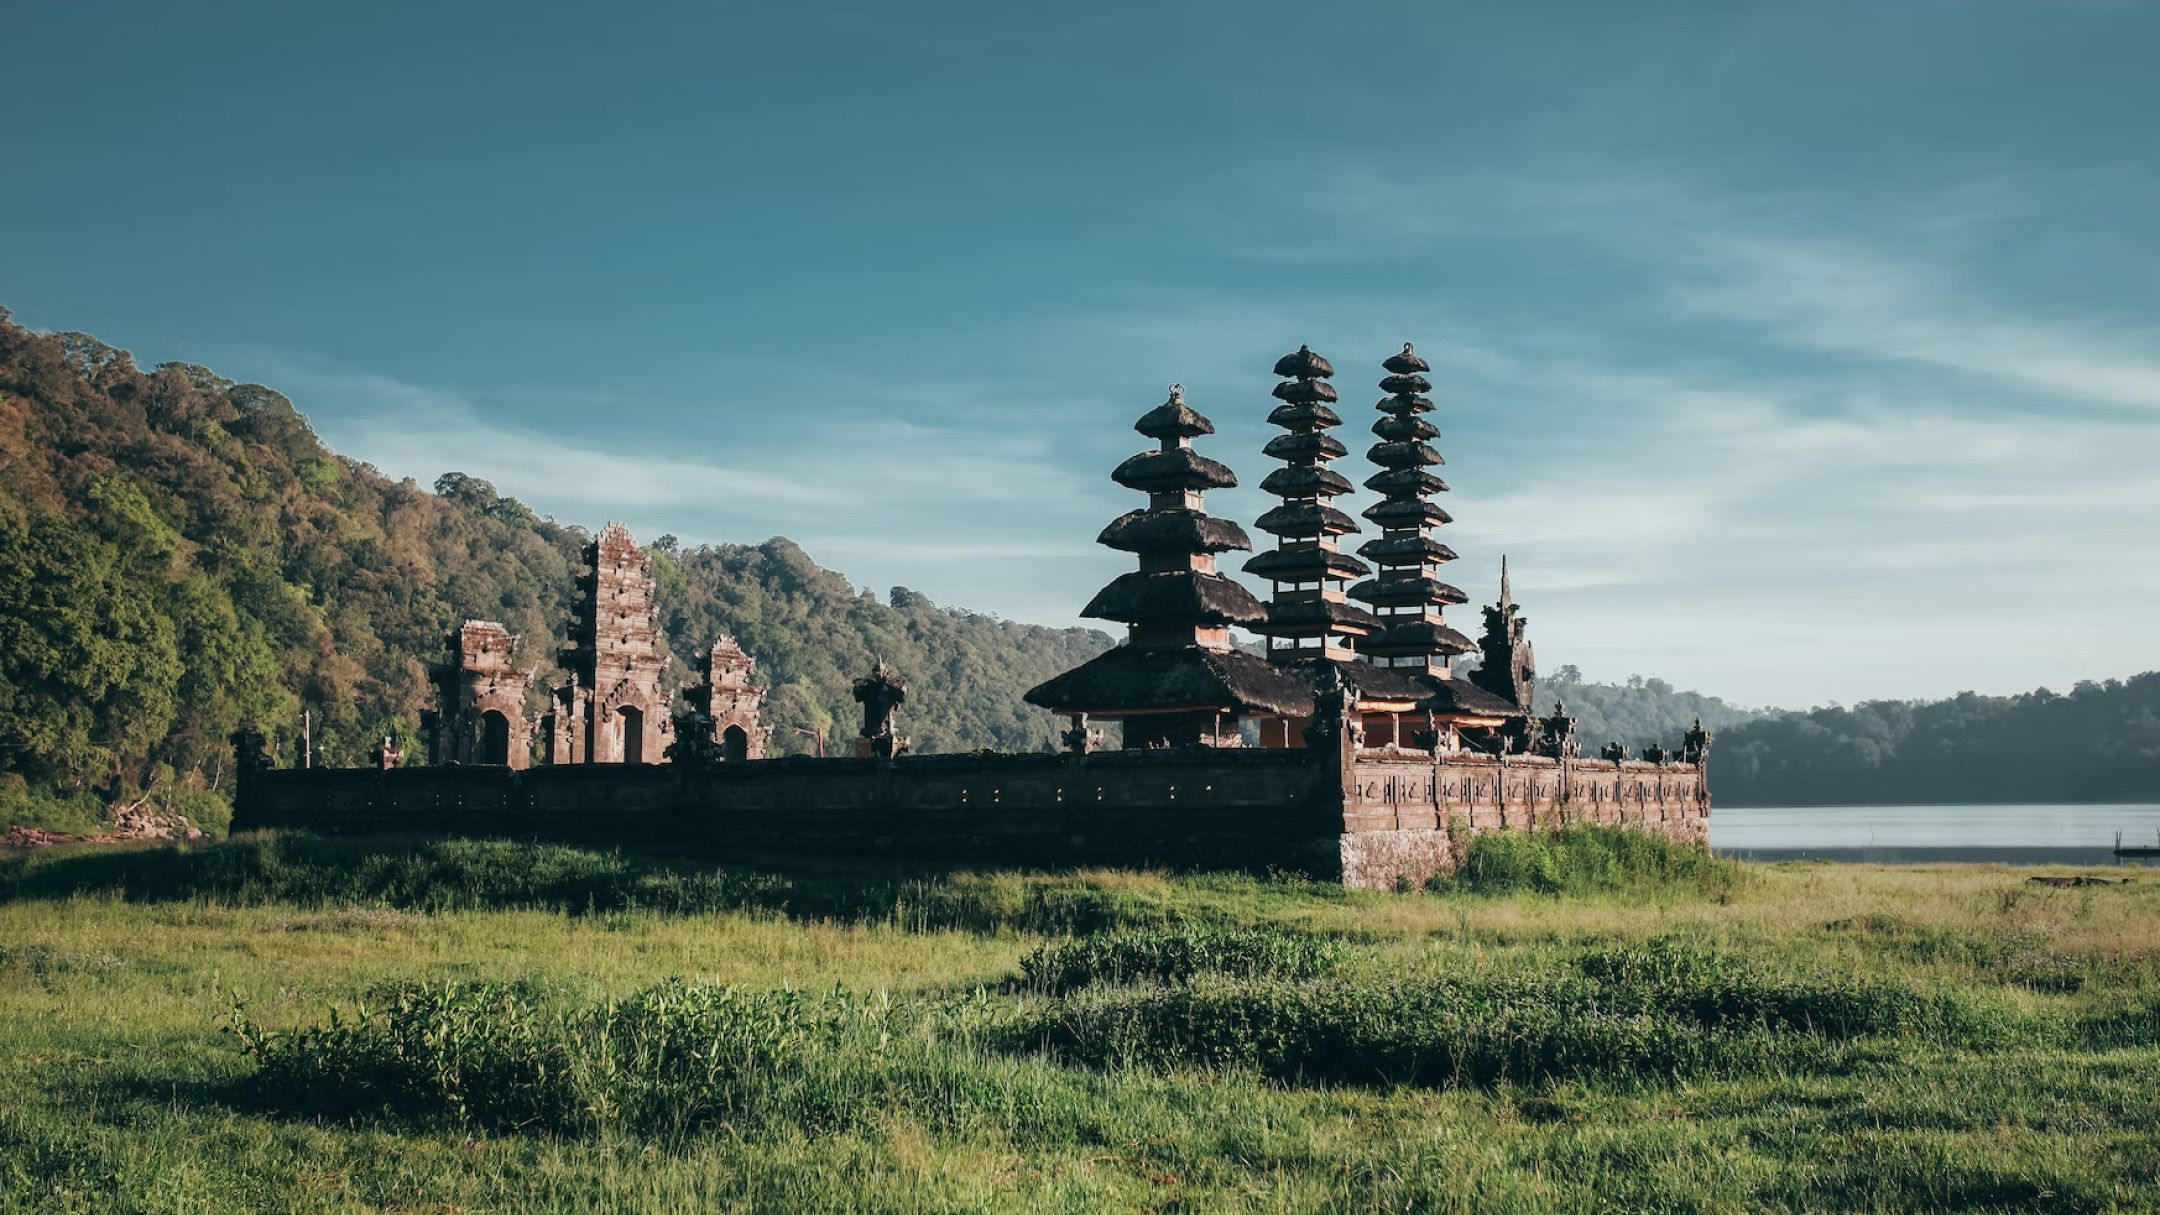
(1401, 807)
(1374, 819)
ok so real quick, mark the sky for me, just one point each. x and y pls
(1798, 353)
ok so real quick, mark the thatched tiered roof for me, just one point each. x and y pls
(1127, 680)
(1407, 589)
(1176, 668)
(1307, 568)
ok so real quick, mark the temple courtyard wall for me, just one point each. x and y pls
(1379, 819)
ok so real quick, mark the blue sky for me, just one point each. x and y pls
(1796, 352)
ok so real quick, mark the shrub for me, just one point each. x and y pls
(1427, 1032)
(1584, 860)
(1168, 955)
(1664, 1009)
(1717, 989)
(501, 1055)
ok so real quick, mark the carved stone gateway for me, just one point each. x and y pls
(479, 716)
(726, 704)
(613, 710)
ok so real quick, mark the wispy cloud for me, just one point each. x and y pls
(1846, 299)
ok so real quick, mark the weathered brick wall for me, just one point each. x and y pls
(1400, 807)
(1377, 819)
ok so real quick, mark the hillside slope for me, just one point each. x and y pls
(179, 553)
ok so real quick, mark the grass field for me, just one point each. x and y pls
(1591, 1024)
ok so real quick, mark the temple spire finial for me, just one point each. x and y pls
(1505, 597)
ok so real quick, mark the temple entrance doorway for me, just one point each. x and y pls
(633, 734)
(734, 745)
(494, 738)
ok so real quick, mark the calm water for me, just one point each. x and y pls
(2033, 835)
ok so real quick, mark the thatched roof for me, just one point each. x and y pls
(1175, 597)
(1405, 454)
(1403, 405)
(1297, 618)
(1173, 419)
(1303, 417)
(1371, 683)
(1406, 363)
(1419, 637)
(1406, 512)
(1178, 468)
(1126, 680)
(1296, 482)
(1305, 565)
(1402, 482)
(1395, 550)
(1311, 445)
(1304, 365)
(1174, 530)
(1462, 696)
(1405, 427)
(1406, 385)
(1305, 519)
(1304, 392)
(1434, 693)
(1394, 592)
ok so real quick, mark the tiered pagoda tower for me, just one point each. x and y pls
(1309, 615)
(1407, 593)
(1176, 680)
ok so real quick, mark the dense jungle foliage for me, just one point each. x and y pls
(179, 553)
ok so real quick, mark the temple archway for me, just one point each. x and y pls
(633, 733)
(494, 738)
(734, 745)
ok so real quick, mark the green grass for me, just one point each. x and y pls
(431, 1026)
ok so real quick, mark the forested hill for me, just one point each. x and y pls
(2099, 743)
(179, 553)
(1637, 712)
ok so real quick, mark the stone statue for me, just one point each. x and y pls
(880, 693)
(387, 754)
(1556, 735)
(1657, 755)
(251, 750)
(1427, 739)
(693, 742)
(1334, 711)
(1695, 744)
(1615, 752)
(1079, 740)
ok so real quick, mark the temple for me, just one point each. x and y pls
(1345, 744)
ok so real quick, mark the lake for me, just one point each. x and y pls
(2023, 835)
